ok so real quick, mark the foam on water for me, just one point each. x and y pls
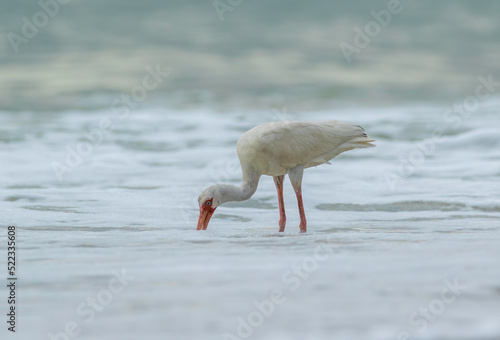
(388, 249)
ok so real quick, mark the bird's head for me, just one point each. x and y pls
(208, 200)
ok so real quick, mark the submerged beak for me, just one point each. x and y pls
(205, 215)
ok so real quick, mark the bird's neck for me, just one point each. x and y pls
(249, 187)
(243, 192)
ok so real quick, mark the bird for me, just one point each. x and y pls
(282, 148)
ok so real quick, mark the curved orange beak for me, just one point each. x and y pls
(205, 216)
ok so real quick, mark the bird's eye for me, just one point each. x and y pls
(208, 203)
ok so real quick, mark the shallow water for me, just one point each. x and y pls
(389, 228)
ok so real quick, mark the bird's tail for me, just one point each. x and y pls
(359, 140)
(362, 140)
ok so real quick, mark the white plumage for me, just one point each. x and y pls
(275, 148)
(280, 148)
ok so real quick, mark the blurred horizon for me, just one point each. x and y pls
(260, 54)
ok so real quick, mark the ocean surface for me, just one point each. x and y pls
(256, 54)
(402, 242)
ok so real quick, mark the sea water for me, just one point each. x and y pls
(403, 239)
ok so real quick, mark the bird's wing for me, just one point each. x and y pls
(279, 146)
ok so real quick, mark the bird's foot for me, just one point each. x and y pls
(282, 224)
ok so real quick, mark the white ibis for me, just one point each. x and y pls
(280, 148)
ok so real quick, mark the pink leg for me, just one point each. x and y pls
(295, 175)
(303, 222)
(278, 180)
